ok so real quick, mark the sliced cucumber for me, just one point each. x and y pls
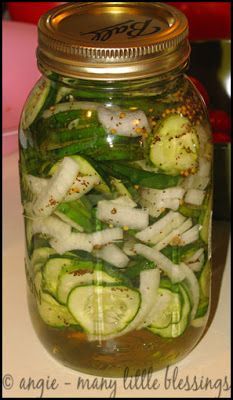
(175, 147)
(35, 102)
(40, 256)
(67, 281)
(181, 310)
(205, 280)
(51, 272)
(166, 310)
(37, 283)
(200, 322)
(103, 310)
(205, 287)
(205, 220)
(192, 285)
(149, 283)
(51, 312)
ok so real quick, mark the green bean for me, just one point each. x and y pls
(140, 177)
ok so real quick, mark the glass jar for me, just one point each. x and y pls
(116, 185)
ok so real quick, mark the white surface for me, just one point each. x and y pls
(25, 357)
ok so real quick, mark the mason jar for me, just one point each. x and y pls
(116, 186)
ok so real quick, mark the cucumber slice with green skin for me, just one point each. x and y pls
(205, 279)
(175, 329)
(103, 310)
(175, 146)
(37, 283)
(37, 267)
(51, 272)
(200, 322)
(205, 219)
(40, 256)
(166, 310)
(205, 287)
(35, 102)
(51, 312)
(139, 177)
(148, 287)
(67, 281)
(165, 283)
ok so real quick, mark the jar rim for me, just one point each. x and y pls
(80, 40)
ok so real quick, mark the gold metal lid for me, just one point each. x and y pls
(112, 40)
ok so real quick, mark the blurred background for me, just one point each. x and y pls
(210, 70)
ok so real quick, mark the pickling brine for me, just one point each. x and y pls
(116, 188)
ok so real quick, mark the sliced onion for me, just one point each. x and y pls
(120, 215)
(173, 271)
(156, 232)
(113, 255)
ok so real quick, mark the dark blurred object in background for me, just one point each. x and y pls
(30, 11)
(207, 20)
(210, 63)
